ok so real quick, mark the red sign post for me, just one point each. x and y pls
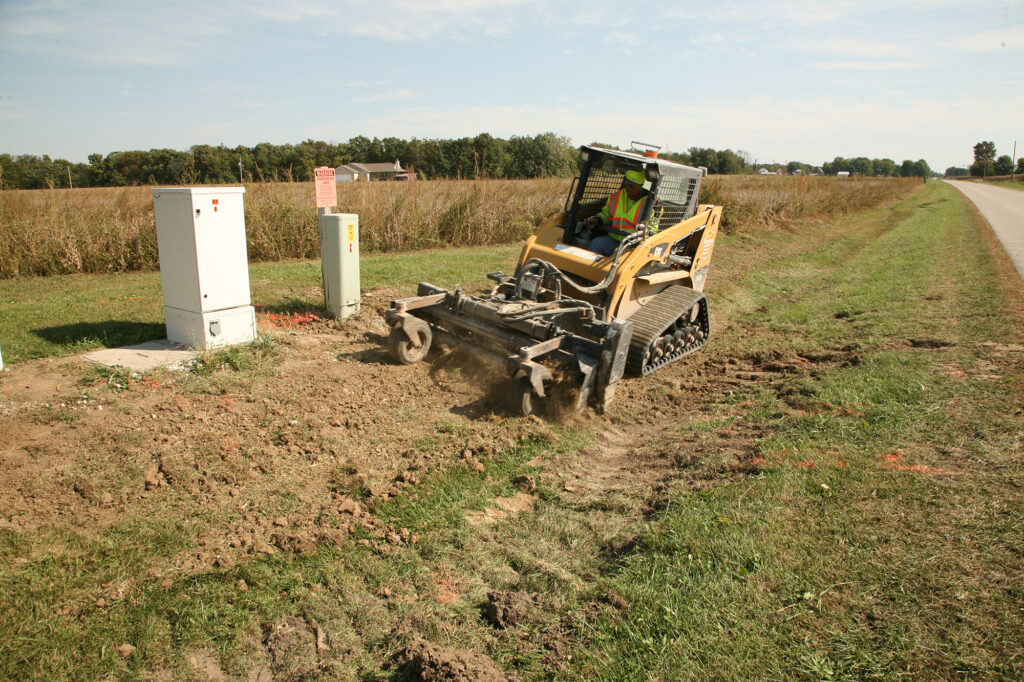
(326, 187)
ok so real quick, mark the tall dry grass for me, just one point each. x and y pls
(47, 232)
(758, 202)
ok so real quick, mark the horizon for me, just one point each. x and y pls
(794, 81)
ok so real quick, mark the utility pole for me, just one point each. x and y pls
(240, 170)
(70, 186)
(1013, 161)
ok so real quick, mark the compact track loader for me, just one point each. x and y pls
(570, 313)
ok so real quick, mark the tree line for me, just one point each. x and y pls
(482, 156)
(728, 162)
(986, 163)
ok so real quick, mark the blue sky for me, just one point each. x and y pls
(782, 80)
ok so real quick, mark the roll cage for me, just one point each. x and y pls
(672, 187)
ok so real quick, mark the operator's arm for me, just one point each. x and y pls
(604, 217)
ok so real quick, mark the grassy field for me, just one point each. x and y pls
(846, 507)
(880, 535)
(104, 230)
(67, 314)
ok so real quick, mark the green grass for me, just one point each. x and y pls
(1019, 184)
(69, 314)
(830, 564)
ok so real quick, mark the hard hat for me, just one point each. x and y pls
(635, 176)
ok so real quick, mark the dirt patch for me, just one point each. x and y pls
(1002, 347)
(895, 461)
(928, 344)
(508, 609)
(427, 662)
(206, 664)
(292, 645)
(503, 508)
(282, 459)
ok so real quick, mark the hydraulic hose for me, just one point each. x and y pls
(627, 243)
(559, 307)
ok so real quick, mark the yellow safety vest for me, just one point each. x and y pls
(621, 213)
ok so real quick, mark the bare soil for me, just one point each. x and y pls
(295, 453)
(293, 456)
(333, 425)
(427, 662)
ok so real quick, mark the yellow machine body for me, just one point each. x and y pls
(643, 272)
(596, 317)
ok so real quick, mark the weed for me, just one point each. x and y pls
(116, 379)
(244, 357)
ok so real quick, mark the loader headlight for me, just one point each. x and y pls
(651, 173)
(584, 155)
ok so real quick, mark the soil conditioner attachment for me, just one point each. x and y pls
(569, 314)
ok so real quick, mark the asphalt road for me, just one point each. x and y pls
(1004, 209)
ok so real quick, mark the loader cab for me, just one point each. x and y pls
(672, 188)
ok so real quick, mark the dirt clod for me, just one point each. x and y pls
(153, 478)
(507, 609)
(616, 600)
(125, 650)
(526, 483)
(429, 663)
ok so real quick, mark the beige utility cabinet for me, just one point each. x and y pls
(339, 261)
(204, 268)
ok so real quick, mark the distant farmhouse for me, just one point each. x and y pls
(372, 171)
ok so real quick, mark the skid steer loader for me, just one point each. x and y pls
(588, 317)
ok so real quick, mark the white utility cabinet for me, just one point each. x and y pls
(204, 268)
(339, 260)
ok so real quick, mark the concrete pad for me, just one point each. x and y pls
(144, 356)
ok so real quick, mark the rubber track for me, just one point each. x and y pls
(654, 318)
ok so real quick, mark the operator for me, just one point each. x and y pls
(621, 212)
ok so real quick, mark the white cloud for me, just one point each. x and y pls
(864, 65)
(623, 39)
(115, 34)
(854, 47)
(767, 14)
(30, 27)
(1010, 38)
(292, 11)
(390, 96)
(216, 130)
(708, 39)
(16, 114)
(399, 20)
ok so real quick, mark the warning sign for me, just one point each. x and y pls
(326, 189)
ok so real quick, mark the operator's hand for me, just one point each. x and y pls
(592, 222)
